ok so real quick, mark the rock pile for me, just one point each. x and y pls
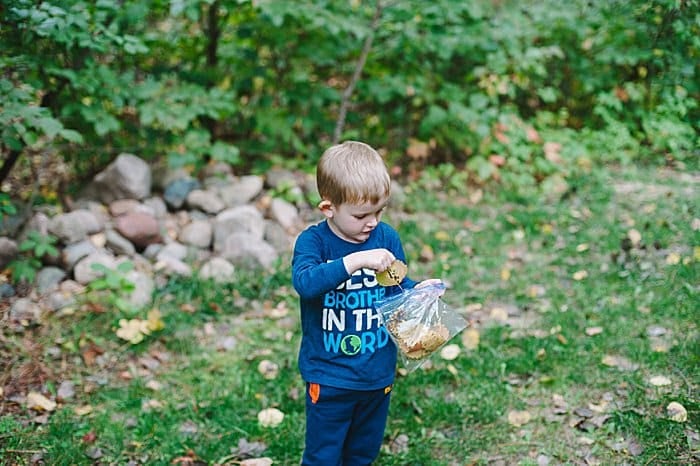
(166, 223)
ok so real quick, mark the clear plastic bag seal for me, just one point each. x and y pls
(420, 323)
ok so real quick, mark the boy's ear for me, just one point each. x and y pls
(326, 207)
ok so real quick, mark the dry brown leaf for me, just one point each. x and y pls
(39, 402)
(392, 275)
(417, 149)
(518, 418)
(673, 259)
(82, 410)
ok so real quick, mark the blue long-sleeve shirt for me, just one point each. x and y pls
(343, 342)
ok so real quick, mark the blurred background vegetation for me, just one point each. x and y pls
(523, 93)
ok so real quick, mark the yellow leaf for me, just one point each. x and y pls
(470, 339)
(39, 402)
(696, 253)
(505, 274)
(582, 247)
(676, 412)
(155, 323)
(580, 275)
(499, 314)
(519, 418)
(131, 330)
(673, 258)
(393, 275)
(547, 229)
(442, 236)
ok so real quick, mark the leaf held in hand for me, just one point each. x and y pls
(393, 275)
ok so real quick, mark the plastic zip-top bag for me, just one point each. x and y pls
(420, 323)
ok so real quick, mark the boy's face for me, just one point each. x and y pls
(353, 222)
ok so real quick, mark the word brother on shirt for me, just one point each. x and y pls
(351, 324)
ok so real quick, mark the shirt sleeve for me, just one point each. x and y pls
(312, 275)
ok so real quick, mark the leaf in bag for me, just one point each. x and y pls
(393, 275)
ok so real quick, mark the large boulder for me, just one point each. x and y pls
(127, 177)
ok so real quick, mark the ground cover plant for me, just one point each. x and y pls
(583, 345)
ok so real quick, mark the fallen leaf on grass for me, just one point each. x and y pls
(399, 445)
(676, 412)
(39, 402)
(518, 418)
(470, 339)
(619, 362)
(580, 275)
(634, 236)
(450, 352)
(268, 369)
(673, 259)
(592, 331)
(82, 410)
(264, 461)
(659, 380)
(270, 417)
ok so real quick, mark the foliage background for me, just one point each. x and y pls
(484, 84)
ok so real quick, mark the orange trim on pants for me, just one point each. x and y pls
(314, 392)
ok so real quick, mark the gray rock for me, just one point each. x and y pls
(25, 311)
(248, 251)
(118, 244)
(241, 191)
(127, 177)
(8, 251)
(241, 219)
(175, 250)
(197, 233)
(285, 214)
(205, 200)
(157, 206)
(278, 237)
(48, 278)
(76, 251)
(57, 300)
(75, 226)
(177, 191)
(172, 266)
(84, 273)
(142, 294)
(6, 290)
(218, 269)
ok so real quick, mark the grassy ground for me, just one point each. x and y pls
(586, 310)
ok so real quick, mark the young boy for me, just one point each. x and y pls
(347, 358)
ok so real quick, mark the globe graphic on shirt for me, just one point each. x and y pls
(351, 345)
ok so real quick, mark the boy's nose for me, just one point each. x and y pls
(372, 221)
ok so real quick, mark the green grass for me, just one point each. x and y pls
(456, 412)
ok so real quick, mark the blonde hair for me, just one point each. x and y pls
(352, 172)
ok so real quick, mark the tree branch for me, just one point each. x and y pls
(359, 66)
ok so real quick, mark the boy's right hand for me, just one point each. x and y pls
(375, 259)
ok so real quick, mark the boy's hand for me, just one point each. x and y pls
(375, 259)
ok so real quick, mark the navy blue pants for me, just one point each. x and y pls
(344, 427)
